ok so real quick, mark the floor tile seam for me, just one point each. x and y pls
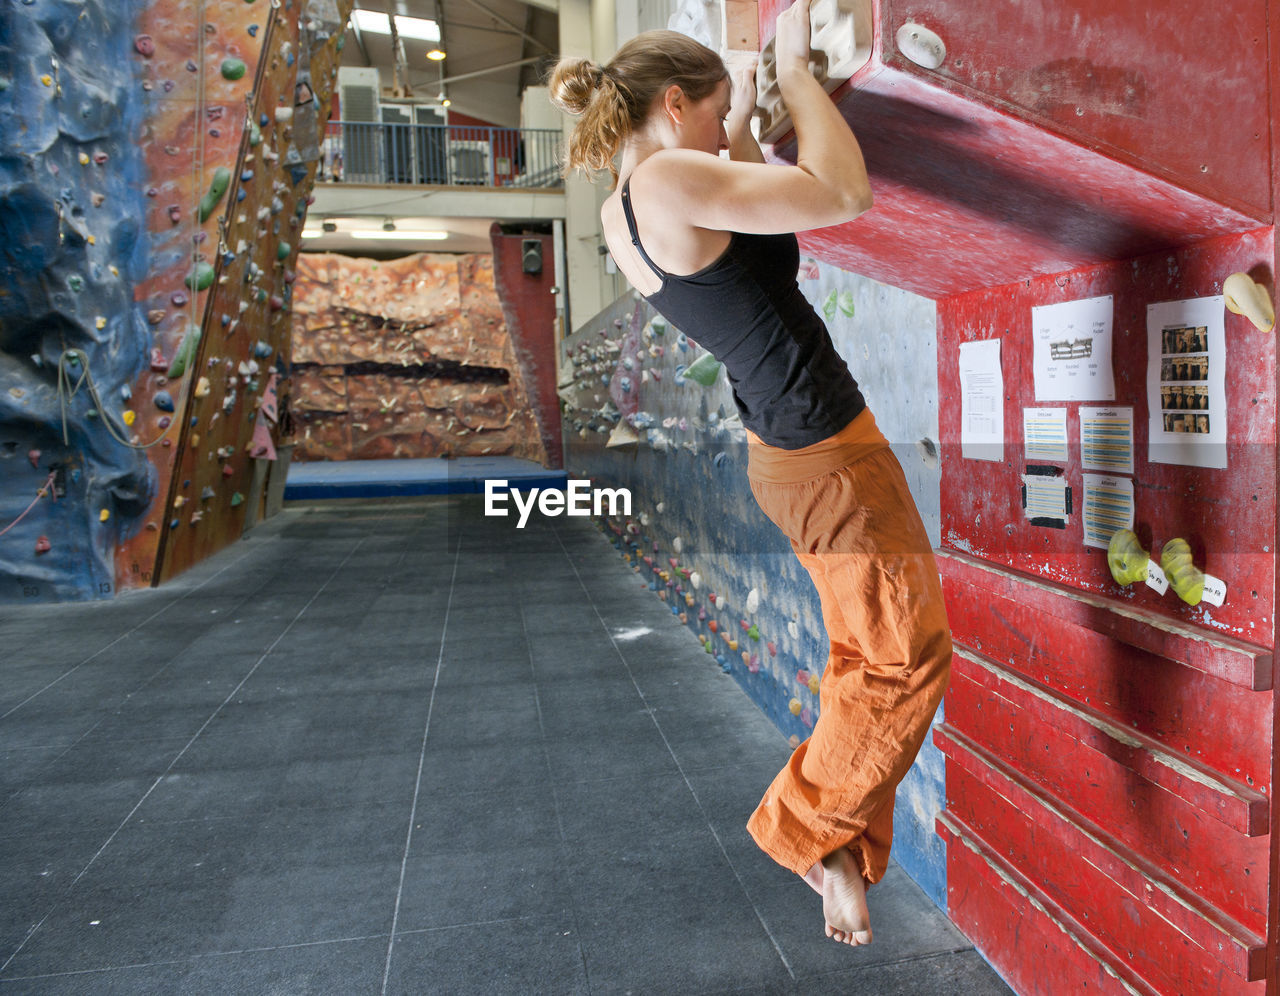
(891, 963)
(417, 787)
(67, 889)
(192, 959)
(777, 946)
(87, 735)
(164, 608)
(563, 841)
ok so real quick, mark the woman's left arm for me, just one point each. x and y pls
(742, 104)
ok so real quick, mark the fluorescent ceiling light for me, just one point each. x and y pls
(312, 233)
(406, 27)
(407, 234)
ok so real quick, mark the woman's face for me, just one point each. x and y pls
(702, 127)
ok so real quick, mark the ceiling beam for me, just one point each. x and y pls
(490, 69)
(510, 24)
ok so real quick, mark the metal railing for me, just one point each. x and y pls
(451, 155)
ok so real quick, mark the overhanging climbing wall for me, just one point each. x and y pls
(406, 358)
(159, 160)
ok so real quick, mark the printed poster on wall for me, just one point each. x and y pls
(1072, 350)
(1186, 382)
(981, 401)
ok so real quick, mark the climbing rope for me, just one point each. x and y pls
(46, 489)
(68, 390)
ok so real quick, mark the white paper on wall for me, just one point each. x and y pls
(981, 401)
(1186, 382)
(1072, 350)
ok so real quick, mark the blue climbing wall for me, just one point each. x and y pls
(636, 416)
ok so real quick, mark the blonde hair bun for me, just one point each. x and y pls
(574, 83)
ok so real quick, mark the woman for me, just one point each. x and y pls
(710, 243)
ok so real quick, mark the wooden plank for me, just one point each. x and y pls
(1242, 809)
(1038, 949)
(1240, 663)
(1146, 917)
(1226, 869)
(1172, 704)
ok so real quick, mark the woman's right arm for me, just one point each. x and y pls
(828, 185)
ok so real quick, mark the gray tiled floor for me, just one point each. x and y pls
(400, 748)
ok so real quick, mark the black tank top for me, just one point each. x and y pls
(790, 385)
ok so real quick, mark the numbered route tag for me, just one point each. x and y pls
(1156, 578)
(1215, 590)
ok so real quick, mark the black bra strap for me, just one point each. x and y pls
(631, 226)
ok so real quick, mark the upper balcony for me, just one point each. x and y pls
(457, 172)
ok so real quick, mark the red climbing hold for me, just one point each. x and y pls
(43, 545)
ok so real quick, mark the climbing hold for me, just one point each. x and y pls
(1184, 577)
(201, 276)
(43, 545)
(1126, 558)
(75, 282)
(34, 457)
(145, 46)
(164, 401)
(1245, 297)
(237, 500)
(186, 352)
(284, 114)
(795, 705)
(814, 683)
(283, 250)
(753, 631)
(129, 416)
(232, 69)
(773, 648)
(104, 515)
(206, 493)
(753, 601)
(158, 362)
(705, 369)
(217, 187)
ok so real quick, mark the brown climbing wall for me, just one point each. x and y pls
(231, 149)
(406, 358)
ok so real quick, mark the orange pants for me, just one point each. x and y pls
(845, 506)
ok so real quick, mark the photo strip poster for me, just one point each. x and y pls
(1186, 382)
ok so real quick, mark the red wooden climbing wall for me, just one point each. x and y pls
(1110, 753)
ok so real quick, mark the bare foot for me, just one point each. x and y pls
(844, 899)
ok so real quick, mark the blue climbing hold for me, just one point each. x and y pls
(164, 401)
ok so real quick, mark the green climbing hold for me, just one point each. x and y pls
(201, 277)
(237, 500)
(705, 369)
(846, 303)
(283, 250)
(232, 69)
(255, 134)
(754, 632)
(185, 354)
(829, 305)
(217, 187)
(75, 282)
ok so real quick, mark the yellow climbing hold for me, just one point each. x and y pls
(104, 515)
(1184, 577)
(795, 706)
(47, 80)
(814, 683)
(84, 156)
(179, 501)
(1126, 558)
(100, 322)
(129, 417)
(202, 387)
